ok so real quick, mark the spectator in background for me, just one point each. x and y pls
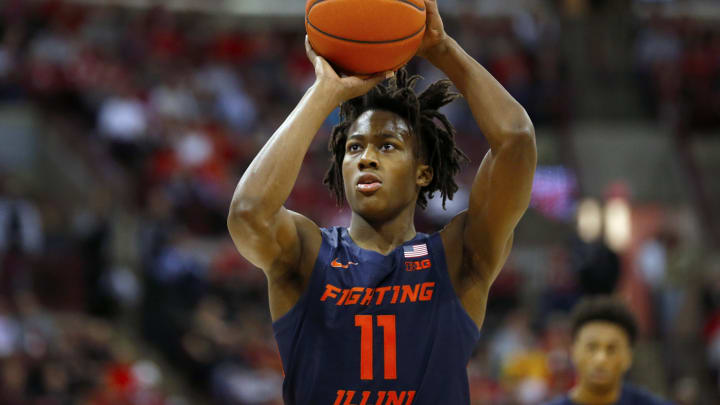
(20, 222)
(597, 266)
(604, 332)
(21, 238)
(122, 120)
(10, 41)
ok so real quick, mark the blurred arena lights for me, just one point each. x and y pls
(589, 220)
(553, 192)
(617, 224)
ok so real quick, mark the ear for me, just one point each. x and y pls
(423, 175)
(628, 359)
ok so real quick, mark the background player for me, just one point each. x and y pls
(604, 332)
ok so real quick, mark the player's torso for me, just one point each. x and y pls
(374, 329)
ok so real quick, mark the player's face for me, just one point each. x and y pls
(381, 173)
(602, 354)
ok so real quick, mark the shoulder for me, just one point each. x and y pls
(641, 396)
(308, 236)
(316, 242)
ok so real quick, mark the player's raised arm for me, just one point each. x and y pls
(265, 232)
(501, 189)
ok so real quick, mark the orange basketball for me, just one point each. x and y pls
(365, 36)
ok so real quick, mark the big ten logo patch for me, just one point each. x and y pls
(418, 265)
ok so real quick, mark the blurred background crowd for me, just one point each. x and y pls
(124, 130)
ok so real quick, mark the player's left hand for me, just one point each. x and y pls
(435, 36)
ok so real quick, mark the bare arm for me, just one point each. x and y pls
(264, 231)
(501, 189)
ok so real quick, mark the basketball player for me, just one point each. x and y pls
(604, 332)
(377, 313)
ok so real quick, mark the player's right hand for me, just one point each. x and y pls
(340, 88)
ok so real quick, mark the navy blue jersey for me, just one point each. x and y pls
(630, 395)
(375, 329)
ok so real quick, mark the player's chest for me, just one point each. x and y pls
(356, 281)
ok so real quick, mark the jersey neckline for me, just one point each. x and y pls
(345, 235)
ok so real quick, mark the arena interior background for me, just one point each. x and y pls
(125, 125)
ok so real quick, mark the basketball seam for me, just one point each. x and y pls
(357, 41)
(413, 5)
(409, 3)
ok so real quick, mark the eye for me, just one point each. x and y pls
(388, 147)
(354, 147)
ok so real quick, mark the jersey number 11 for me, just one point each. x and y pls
(387, 322)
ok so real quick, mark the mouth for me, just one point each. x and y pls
(368, 184)
(600, 375)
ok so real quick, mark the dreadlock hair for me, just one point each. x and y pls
(435, 135)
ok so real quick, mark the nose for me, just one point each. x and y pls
(600, 357)
(368, 159)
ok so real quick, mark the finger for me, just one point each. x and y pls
(375, 81)
(309, 50)
(431, 7)
(319, 65)
(377, 78)
(363, 84)
(318, 61)
(434, 21)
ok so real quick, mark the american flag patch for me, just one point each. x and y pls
(415, 250)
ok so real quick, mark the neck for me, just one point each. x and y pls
(383, 236)
(584, 395)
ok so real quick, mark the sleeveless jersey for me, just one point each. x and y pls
(375, 329)
(630, 395)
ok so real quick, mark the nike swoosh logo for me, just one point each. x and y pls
(335, 263)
